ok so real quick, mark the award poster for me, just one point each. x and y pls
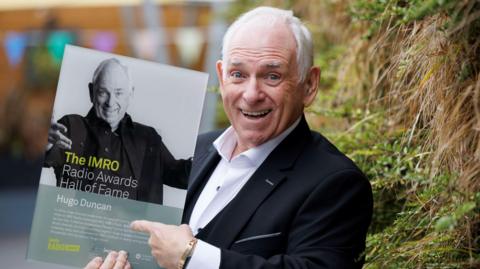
(121, 140)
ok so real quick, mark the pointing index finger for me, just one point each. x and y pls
(142, 226)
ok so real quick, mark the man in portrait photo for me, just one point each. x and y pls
(106, 151)
(267, 192)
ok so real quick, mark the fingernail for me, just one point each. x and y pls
(98, 260)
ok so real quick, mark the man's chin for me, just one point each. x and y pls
(253, 138)
(111, 121)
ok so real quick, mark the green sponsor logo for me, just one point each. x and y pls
(54, 244)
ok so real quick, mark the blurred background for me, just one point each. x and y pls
(399, 94)
(33, 35)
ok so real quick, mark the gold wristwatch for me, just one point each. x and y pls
(187, 254)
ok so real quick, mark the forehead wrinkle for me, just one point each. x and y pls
(264, 62)
(263, 52)
(268, 64)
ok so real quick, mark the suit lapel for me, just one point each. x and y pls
(236, 214)
(262, 183)
(202, 167)
(135, 151)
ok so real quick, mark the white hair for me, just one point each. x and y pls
(101, 67)
(302, 35)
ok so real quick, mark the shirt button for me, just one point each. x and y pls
(106, 132)
(106, 150)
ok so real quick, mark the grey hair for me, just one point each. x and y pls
(303, 37)
(103, 64)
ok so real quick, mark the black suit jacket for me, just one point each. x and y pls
(151, 162)
(307, 206)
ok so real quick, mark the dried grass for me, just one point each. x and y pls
(427, 75)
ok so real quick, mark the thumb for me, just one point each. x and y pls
(95, 263)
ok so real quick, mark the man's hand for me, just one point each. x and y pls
(168, 242)
(114, 260)
(57, 137)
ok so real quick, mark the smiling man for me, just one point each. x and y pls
(106, 152)
(111, 91)
(267, 192)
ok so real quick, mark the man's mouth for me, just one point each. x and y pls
(109, 111)
(255, 114)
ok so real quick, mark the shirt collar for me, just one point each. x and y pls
(225, 144)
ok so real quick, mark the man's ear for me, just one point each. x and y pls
(90, 91)
(311, 85)
(219, 68)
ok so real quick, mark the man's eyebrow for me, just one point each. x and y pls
(236, 63)
(273, 65)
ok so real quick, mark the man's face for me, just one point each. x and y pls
(111, 95)
(261, 92)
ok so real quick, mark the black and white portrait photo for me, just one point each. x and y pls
(122, 127)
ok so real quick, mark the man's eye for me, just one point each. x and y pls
(236, 74)
(273, 77)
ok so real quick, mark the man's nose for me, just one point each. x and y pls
(110, 100)
(253, 92)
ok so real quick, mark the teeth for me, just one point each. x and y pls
(256, 113)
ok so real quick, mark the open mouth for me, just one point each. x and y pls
(255, 114)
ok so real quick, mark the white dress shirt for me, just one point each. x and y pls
(226, 181)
